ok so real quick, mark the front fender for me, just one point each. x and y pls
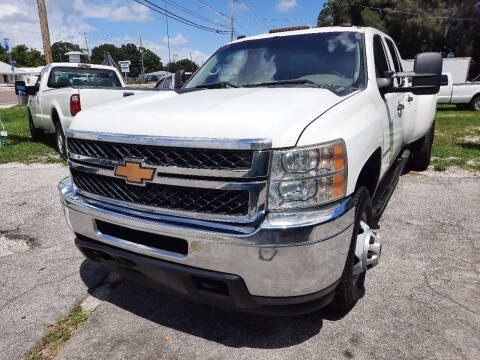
(357, 121)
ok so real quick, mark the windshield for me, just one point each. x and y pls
(70, 76)
(333, 60)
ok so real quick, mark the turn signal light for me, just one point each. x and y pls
(75, 104)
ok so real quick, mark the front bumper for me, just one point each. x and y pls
(284, 256)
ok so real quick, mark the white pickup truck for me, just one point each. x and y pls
(257, 185)
(465, 95)
(63, 89)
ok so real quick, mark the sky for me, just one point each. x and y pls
(122, 21)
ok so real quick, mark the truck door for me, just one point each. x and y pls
(391, 103)
(405, 103)
(445, 92)
(34, 101)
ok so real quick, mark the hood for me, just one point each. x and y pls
(278, 114)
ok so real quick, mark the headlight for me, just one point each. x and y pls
(307, 177)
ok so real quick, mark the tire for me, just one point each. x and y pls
(352, 287)
(475, 103)
(422, 151)
(60, 139)
(35, 133)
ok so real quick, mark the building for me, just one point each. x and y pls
(6, 74)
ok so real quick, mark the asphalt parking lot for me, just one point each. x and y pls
(7, 97)
(421, 302)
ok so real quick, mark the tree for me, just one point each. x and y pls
(128, 52)
(59, 49)
(22, 56)
(3, 55)
(184, 64)
(412, 25)
(413, 33)
(151, 61)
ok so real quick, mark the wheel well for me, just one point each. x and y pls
(370, 172)
(55, 117)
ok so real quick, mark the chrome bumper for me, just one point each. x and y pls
(285, 255)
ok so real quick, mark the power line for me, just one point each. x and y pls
(250, 14)
(257, 13)
(192, 13)
(154, 7)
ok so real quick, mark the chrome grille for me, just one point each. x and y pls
(210, 179)
(210, 201)
(164, 156)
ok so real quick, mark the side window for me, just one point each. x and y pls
(167, 83)
(444, 80)
(396, 58)
(381, 61)
(397, 64)
(39, 78)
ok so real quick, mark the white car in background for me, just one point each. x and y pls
(64, 89)
(168, 81)
(466, 95)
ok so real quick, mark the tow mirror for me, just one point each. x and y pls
(20, 88)
(180, 79)
(428, 67)
(426, 75)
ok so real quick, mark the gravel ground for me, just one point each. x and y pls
(421, 302)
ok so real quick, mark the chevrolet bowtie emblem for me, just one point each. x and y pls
(134, 173)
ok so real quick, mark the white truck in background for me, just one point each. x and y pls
(465, 95)
(63, 89)
(257, 185)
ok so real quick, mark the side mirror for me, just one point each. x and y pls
(20, 88)
(179, 79)
(428, 68)
(426, 76)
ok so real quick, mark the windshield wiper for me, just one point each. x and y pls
(218, 84)
(284, 82)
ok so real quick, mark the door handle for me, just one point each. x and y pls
(125, 94)
(400, 107)
(409, 98)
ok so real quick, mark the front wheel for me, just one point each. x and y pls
(352, 285)
(60, 140)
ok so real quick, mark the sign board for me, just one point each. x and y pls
(125, 65)
(74, 59)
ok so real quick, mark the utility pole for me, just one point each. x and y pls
(141, 56)
(168, 35)
(86, 44)
(232, 6)
(42, 14)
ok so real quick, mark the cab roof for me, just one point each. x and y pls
(313, 30)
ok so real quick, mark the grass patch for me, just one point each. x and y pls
(457, 139)
(19, 146)
(60, 332)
